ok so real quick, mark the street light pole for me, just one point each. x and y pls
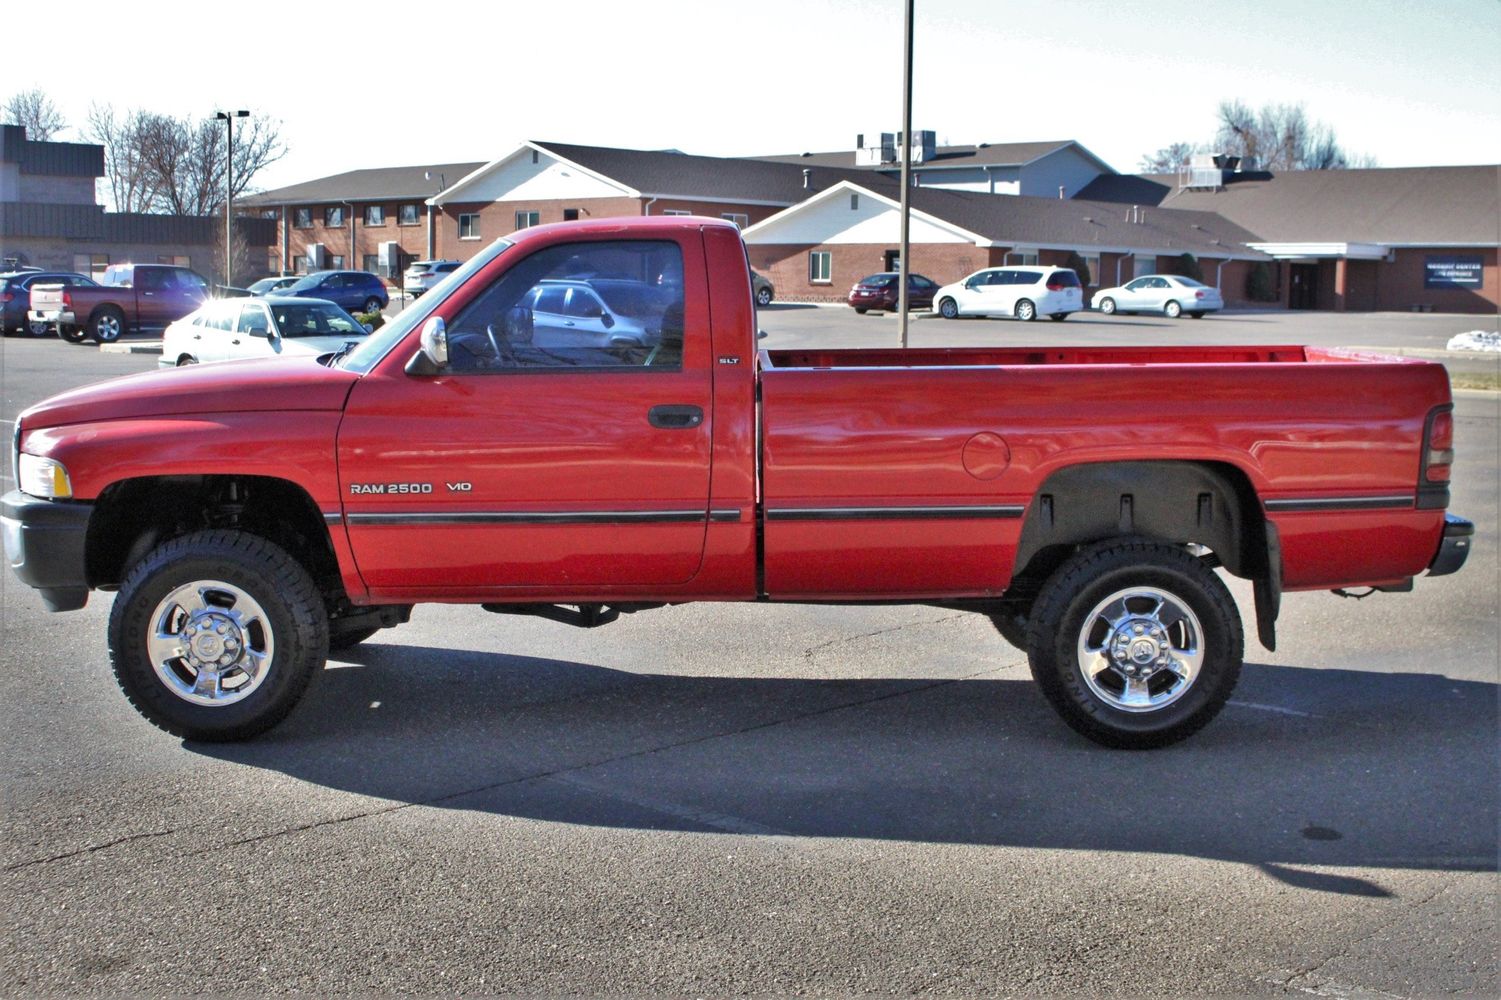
(904, 270)
(228, 118)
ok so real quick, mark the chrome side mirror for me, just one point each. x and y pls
(432, 353)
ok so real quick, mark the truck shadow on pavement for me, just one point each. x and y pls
(1304, 767)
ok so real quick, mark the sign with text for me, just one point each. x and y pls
(1453, 272)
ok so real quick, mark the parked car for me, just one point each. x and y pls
(880, 291)
(264, 327)
(763, 289)
(1169, 294)
(357, 291)
(15, 297)
(602, 312)
(424, 274)
(1024, 292)
(130, 297)
(275, 283)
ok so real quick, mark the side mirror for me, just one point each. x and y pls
(369, 328)
(432, 352)
(518, 325)
(607, 320)
(270, 335)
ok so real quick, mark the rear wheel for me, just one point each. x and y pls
(1057, 317)
(107, 324)
(1026, 311)
(948, 309)
(860, 310)
(39, 329)
(1107, 306)
(72, 334)
(186, 359)
(1173, 309)
(372, 305)
(1197, 315)
(1137, 644)
(215, 635)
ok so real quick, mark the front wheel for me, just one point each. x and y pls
(948, 309)
(1137, 644)
(1107, 306)
(1197, 315)
(39, 329)
(763, 296)
(860, 310)
(1057, 317)
(1026, 311)
(215, 635)
(1173, 310)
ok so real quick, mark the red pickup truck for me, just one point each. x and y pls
(128, 297)
(579, 425)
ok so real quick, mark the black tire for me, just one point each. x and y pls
(1057, 317)
(372, 305)
(763, 296)
(1197, 315)
(343, 636)
(186, 359)
(107, 324)
(287, 621)
(1025, 310)
(1068, 605)
(860, 310)
(1107, 306)
(38, 329)
(948, 308)
(73, 334)
(1173, 309)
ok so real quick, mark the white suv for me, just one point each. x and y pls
(424, 274)
(1023, 292)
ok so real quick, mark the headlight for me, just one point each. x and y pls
(43, 477)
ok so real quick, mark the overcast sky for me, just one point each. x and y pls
(385, 84)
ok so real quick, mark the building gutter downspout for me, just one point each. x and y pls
(646, 208)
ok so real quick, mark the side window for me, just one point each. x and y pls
(529, 318)
(254, 321)
(1137, 285)
(151, 280)
(1003, 277)
(219, 318)
(1026, 278)
(1160, 283)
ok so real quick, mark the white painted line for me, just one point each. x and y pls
(1274, 708)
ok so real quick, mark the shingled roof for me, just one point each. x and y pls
(1441, 206)
(375, 184)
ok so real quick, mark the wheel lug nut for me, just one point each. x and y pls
(220, 630)
(1140, 629)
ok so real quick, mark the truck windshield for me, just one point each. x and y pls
(379, 344)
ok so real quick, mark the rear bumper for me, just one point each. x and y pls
(44, 546)
(1454, 548)
(65, 318)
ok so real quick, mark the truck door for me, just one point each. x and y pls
(527, 464)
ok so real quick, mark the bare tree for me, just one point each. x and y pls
(1167, 159)
(35, 110)
(158, 163)
(1280, 137)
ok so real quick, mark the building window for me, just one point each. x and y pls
(270, 213)
(333, 216)
(1027, 257)
(676, 211)
(525, 220)
(1092, 262)
(407, 215)
(336, 262)
(469, 226)
(299, 264)
(92, 264)
(375, 215)
(570, 215)
(302, 218)
(820, 267)
(273, 263)
(370, 262)
(176, 260)
(740, 221)
(854, 202)
(534, 156)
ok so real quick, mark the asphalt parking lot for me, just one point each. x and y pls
(776, 799)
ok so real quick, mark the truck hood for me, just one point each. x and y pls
(236, 387)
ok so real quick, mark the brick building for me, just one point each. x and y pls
(49, 217)
(1381, 239)
(816, 250)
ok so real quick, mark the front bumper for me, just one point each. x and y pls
(44, 545)
(1454, 548)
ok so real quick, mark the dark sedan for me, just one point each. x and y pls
(15, 297)
(356, 291)
(880, 291)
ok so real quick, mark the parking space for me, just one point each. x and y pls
(718, 799)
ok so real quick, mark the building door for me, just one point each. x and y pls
(893, 260)
(1303, 291)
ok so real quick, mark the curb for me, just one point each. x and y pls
(134, 347)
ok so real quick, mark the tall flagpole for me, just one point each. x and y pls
(906, 148)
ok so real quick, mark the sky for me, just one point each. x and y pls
(387, 84)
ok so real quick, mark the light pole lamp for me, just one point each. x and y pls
(228, 118)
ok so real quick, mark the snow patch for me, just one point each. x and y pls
(1476, 340)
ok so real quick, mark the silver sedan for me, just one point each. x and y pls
(1169, 294)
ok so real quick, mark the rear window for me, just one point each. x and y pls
(1023, 278)
(877, 280)
(1190, 283)
(1067, 279)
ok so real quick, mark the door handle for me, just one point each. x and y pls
(675, 417)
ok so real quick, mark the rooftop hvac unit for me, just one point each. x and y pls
(924, 145)
(877, 152)
(1204, 170)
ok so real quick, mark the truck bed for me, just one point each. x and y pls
(991, 357)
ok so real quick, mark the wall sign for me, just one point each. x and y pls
(1453, 272)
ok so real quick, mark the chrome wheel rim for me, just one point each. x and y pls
(763, 297)
(107, 328)
(1025, 311)
(1107, 307)
(1174, 310)
(1140, 649)
(948, 309)
(211, 643)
